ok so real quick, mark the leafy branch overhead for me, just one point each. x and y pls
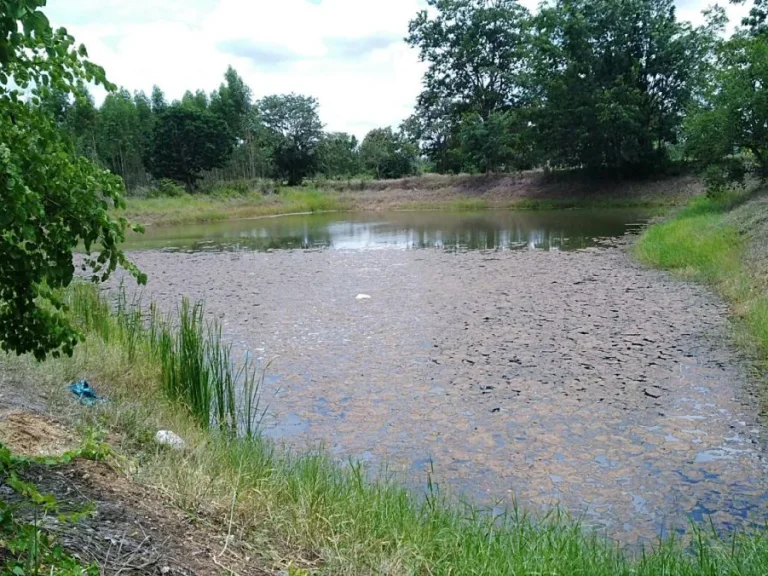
(53, 200)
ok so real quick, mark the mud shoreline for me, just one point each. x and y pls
(579, 378)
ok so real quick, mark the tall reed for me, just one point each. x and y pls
(196, 366)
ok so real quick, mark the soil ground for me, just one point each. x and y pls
(132, 529)
(506, 189)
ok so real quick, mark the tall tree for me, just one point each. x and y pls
(501, 142)
(388, 154)
(82, 124)
(478, 53)
(188, 141)
(338, 155)
(159, 103)
(119, 137)
(727, 135)
(295, 126)
(52, 199)
(232, 102)
(615, 78)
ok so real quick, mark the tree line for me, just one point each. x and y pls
(616, 86)
(610, 86)
(140, 137)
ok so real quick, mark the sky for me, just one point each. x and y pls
(349, 54)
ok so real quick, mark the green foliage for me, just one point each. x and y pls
(501, 142)
(187, 141)
(477, 53)
(295, 132)
(388, 154)
(615, 78)
(28, 548)
(601, 85)
(197, 101)
(726, 135)
(166, 188)
(52, 200)
(338, 155)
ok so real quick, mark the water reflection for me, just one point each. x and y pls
(548, 230)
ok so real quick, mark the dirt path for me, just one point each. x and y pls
(577, 378)
(132, 530)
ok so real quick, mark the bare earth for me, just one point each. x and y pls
(131, 530)
(580, 378)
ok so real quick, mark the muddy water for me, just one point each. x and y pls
(577, 378)
(560, 229)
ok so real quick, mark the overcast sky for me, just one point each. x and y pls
(349, 54)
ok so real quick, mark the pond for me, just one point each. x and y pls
(529, 370)
(507, 230)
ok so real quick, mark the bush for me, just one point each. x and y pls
(719, 178)
(166, 188)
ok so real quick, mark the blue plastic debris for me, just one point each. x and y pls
(87, 395)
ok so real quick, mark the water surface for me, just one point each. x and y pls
(545, 230)
(528, 370)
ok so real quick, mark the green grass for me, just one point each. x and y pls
(210, 208)
(587, 202)
(468, 205)
(304, 509)
(704, 243)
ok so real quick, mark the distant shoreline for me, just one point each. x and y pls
(527, 191)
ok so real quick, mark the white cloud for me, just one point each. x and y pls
(347, 53)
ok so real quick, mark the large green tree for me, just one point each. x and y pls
(726, 133)
(338, 155)
(188, 141)
(52, 199)
(478, 53)
(615, 78)
(388, 154)
(294, 124)
(500, 142)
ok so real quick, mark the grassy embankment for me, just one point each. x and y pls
(721, 242)
(307, 510)
(191, 208)
(534, 191)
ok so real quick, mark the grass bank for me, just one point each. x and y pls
(529, 191)
(305, 510)
(721, 242)
(191, 208)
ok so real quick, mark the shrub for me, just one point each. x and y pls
(166, 188)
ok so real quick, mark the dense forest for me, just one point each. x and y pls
(612, 86)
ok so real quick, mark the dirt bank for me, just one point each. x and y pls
(132, 529)
(529, 190)
(579, 378)
(509, 189)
